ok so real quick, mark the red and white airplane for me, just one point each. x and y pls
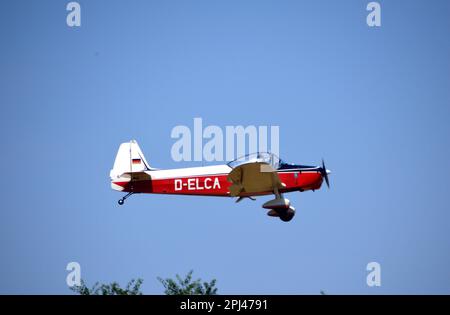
(252, 175)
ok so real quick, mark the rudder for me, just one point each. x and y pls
(129, 159)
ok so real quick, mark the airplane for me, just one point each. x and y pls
(255, 174)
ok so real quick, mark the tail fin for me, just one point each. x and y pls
(129, 159)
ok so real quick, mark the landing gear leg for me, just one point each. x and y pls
(122, 200)
(277, 194)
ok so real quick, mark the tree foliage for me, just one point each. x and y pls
(133, 288)
(177, 286)
(187, 286)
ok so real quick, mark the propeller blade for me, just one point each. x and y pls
(324, 173)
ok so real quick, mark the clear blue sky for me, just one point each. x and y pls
(375, 103)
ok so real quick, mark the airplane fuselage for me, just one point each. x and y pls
(212, 181)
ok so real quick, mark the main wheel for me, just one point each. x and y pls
(288, 215)
(121, 201)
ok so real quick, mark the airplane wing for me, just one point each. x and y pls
(253, 178)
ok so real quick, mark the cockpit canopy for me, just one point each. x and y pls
(265, 157)
(262, 157)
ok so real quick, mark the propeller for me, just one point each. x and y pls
(324, 172)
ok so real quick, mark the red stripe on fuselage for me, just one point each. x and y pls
(217, 184)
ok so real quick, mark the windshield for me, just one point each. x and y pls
(264, 157)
